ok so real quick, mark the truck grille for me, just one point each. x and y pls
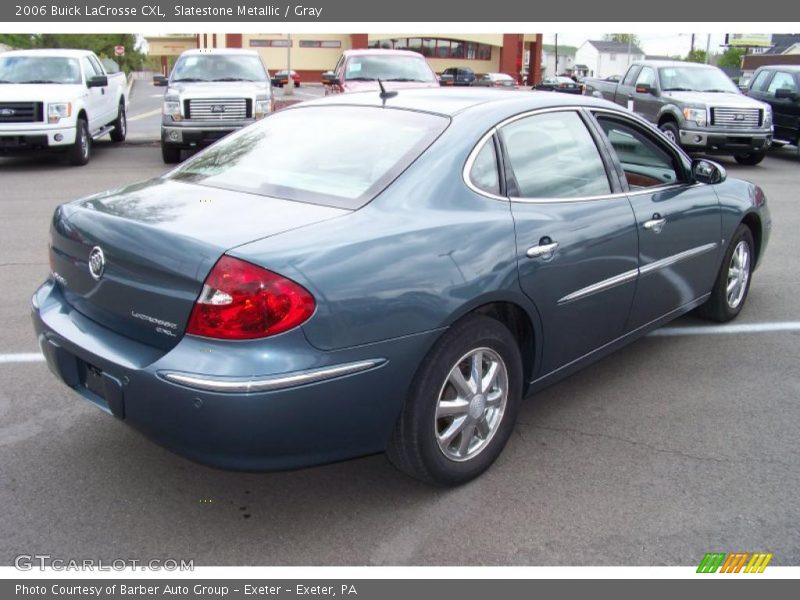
(21, 112)
(218, 109)
(737, 117)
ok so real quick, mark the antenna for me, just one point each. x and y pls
(384, 94)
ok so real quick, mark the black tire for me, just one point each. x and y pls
(414, 447)
(170, 154)
(670, 129)
(751, 158)
(78, 154)
(120, 124)
(717, 307)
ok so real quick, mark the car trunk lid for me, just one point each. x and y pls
(152, 246)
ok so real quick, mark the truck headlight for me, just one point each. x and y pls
(698, 115)
(767, 116)
(263, 108)
(57, 111)
(172, 109)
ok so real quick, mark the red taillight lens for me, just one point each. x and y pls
(241, 301)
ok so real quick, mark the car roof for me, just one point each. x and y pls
(669, 63)
(48, 52)
(792, 68)
(453, 101)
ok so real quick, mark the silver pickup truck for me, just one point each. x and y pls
(211, 93)
(695, 105)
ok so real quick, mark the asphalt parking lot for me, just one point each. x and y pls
(671, 448)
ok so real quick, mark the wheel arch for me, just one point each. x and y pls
(667, 114)
(753, 222)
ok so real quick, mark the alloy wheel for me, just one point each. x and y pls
(738, 274)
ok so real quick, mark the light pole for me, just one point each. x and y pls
(289, 89)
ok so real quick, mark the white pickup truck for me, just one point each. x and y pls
(59, 100)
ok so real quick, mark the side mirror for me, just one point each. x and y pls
(329, 78)
(646, 88)
(786, 93)
(708, 171)
(97, 81)
(159, 80)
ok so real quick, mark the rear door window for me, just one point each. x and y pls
(553, 155)
(484, 173)
(362, 151)
(782, 81)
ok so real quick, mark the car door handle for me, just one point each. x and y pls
(542, 250)
(656, 224)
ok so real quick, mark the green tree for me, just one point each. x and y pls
(18, 40)
(696, 56)
(623, 38)
(101, 44)
(731, 58)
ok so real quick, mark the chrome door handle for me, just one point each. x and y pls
(655, 225)
(542, 250)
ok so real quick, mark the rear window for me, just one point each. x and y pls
(340, 156)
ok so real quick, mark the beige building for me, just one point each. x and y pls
(314, 53)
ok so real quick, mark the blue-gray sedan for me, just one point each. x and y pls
(371, 273)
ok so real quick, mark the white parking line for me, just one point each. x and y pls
(21, 357)
(728, 329)
(152, 113)
(27, 357)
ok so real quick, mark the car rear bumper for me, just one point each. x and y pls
(738, 142)
(305, 407)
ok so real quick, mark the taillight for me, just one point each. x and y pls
(241, 301)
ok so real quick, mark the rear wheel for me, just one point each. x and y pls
(733, 280)
(670, 130)
(120, 125)
(170, 154)
(462, 404)
(78, 153)
(751, 158)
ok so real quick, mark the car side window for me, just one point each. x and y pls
(647, 76)
(782, 81)
(760, 82)
(644, 160)
(484, 173)
(88, 68)
(553, 155)
(631, 75)
(96, 64)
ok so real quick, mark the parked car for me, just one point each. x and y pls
(59, 101)
(393, 288)
(697, 106)
(360, 70)
(779, 86)
(281, 78)
(498, 80)
(210, 94)
(458, 76)
(566, 85)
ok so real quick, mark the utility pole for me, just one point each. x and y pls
(708, 46)
(289, 89)
(630, 40)
(555, 69)
(692, 48)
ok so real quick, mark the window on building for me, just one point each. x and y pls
(612, 57)
(436, 47)
(320, 44)
(270, 43)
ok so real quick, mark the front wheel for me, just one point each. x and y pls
(751, 158)
(170, 154)
(78, 153)
(733, 280)
(462, 404)
(670, 130)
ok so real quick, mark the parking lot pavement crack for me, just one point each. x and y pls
(658, 449)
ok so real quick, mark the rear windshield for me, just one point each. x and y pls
(39, 69)
(339, 156)
(218, 67)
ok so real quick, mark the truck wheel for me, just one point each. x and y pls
(78, 153)
(751, 158)
(670, 130)
(120, 125)
(170, 154)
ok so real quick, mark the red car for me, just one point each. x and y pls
(281, 78)
(360, 70)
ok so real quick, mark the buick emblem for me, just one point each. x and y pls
(97, 263)
(217, 108)
(7, 112)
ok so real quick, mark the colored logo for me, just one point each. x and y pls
(734, 562)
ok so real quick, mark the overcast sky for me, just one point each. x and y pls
(653, 43)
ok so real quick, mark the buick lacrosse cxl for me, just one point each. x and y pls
(387, 272)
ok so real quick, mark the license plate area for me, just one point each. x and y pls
(102, 389)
